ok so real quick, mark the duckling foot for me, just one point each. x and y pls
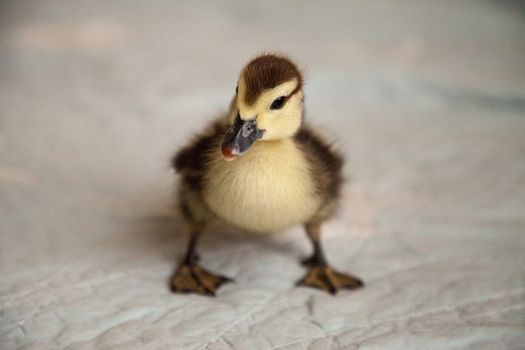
(191, 278)
(326, 278)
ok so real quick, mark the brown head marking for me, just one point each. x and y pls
(266, 72)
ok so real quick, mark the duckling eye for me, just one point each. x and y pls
(236, 89)
(278, 103)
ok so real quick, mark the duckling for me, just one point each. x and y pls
(263, 169)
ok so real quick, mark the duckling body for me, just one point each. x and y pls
(272, 184)
(262, 169)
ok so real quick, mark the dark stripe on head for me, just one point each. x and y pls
(266, 72)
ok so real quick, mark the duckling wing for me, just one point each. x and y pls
(194, 157)
(325, 163)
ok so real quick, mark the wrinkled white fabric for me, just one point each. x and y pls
(425, 99)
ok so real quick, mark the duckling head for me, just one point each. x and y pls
(268, 104)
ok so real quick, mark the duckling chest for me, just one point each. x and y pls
(267, 189)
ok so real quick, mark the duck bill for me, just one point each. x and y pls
(240, 137)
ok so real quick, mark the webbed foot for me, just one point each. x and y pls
(191, 278)
(326, 278)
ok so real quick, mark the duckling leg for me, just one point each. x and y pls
(320, 274)
(190, 277)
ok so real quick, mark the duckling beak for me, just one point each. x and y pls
(239, 137)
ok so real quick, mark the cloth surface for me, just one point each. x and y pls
(426, 100)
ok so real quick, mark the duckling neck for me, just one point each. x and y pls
(270, 145)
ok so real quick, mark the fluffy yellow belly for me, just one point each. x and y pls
(267, 189)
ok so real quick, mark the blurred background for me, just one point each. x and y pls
(426, 99)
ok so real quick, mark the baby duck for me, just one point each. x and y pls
(260, 168)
